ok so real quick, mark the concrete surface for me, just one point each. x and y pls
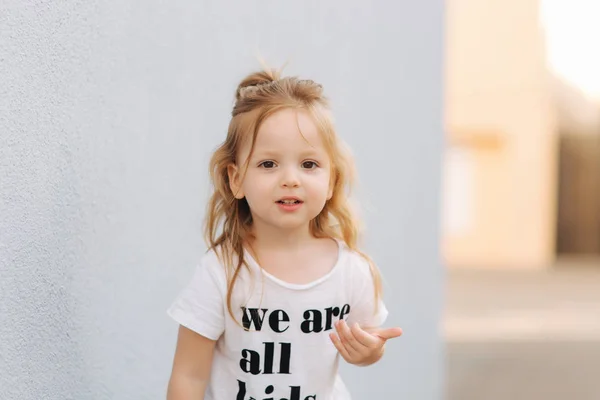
(524, 335)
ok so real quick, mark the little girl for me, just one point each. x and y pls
(283, 289)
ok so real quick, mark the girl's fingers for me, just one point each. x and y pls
(354, 344)
(365, 338)
(340, 347)
(388, 333)
(348, 338)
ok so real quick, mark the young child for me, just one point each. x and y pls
(283, 289)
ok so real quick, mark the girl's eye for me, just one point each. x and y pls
(309, 164)
(267, 164)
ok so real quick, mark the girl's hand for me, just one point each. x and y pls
(360, 347)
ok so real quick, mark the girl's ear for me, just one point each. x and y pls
(235, 181)
(331, 186)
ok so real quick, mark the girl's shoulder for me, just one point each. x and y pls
(212, 264)
(211, 260)
(214, 261)
(355, 262)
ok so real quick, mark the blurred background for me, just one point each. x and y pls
(521, 199)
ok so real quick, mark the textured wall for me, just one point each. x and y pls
(108, 112)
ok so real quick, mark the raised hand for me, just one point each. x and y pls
(361, 347)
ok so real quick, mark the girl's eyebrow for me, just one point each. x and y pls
(266, 153)
(312, 152)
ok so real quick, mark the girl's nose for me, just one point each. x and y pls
(290, 178)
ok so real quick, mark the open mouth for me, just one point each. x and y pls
(289, 201)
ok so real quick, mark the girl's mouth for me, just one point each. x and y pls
(289, 201)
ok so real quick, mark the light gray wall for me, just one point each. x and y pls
(108, 112)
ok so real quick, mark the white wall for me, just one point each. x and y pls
(108, 112)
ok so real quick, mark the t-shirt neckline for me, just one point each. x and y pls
(297, 286)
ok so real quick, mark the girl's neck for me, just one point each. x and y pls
(266, 238)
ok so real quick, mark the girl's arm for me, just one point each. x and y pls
(191, 366)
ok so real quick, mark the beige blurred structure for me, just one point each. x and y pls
(522, 168)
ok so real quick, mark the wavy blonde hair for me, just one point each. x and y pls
(229, 220)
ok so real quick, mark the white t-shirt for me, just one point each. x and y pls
(286, 352)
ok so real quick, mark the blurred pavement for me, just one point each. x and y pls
(524, 335)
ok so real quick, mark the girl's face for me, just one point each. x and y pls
(288, 178)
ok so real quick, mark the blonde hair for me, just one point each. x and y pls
(229, 221)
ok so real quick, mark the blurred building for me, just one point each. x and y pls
(522, 166)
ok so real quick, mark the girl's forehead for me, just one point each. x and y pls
(289, 128)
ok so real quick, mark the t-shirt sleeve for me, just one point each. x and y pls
(199, 306)
(364, 310)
